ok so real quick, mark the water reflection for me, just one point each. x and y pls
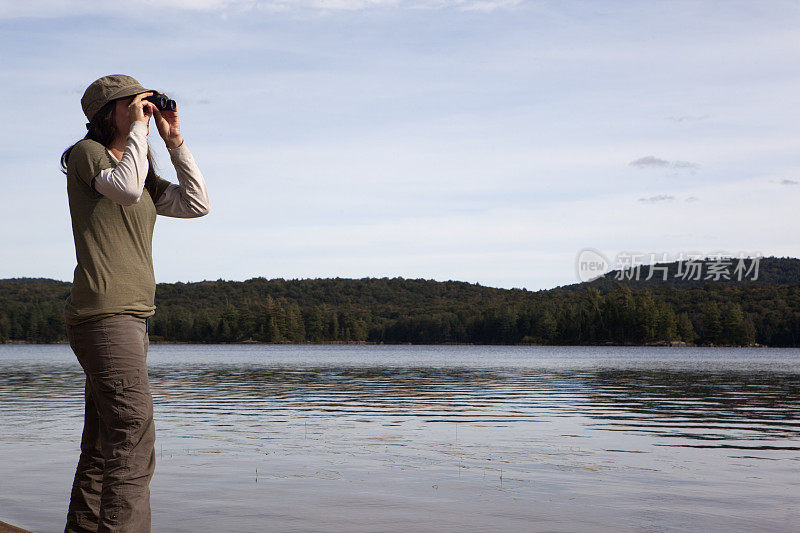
(732, 406)
(723, 407)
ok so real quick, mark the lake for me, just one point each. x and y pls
(302, 438)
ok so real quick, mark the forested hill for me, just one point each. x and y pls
(765, 310)
(696, 273)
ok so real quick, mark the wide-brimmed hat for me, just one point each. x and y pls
(106, 89)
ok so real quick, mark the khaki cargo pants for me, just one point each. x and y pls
(111, 491)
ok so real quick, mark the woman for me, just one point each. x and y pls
(114, 197)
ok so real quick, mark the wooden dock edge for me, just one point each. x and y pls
(8, 528)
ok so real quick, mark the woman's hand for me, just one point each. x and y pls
(140, 109)
(169, 127)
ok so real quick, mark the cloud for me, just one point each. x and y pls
(691, 199)
(684, 164)
(651, 161)
(658, 198)
(789, 182)
(352, 5)
(488, 5)
(57, 8)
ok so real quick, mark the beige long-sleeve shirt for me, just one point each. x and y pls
(124, 183)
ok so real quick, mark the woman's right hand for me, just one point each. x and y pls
(140, 109)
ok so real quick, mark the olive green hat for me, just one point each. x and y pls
(106, 89)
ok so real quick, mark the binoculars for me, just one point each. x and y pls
(162, 102)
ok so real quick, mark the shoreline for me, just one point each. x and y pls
(664, 344)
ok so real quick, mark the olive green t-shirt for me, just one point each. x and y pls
(113, 242)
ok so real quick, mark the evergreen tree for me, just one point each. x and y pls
(712, 324)
(685, 328)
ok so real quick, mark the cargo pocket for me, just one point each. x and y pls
(123, 398)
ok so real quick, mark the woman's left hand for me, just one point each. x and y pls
(169, 127)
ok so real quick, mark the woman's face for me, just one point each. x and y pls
(122, 119)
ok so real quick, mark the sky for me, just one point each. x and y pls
(486, 141)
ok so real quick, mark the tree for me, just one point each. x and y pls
(685, 328)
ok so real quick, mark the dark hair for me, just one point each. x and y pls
(103, 129)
